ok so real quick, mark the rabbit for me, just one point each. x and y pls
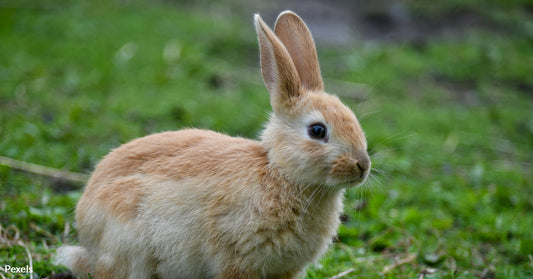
(200, 204)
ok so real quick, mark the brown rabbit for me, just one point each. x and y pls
(199, 204)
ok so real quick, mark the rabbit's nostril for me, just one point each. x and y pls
(363, 164)
(361, 168)
(360, 171)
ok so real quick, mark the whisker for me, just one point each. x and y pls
(376, 173)
(397, 136)
(309, 200)
(367, 114)
(380, 153)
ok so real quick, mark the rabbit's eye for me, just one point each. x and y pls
(317, 131)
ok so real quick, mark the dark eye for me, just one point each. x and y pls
(317, 131)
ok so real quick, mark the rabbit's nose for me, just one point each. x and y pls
(353, 167)
(363, 164)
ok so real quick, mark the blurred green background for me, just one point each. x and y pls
(443, 90)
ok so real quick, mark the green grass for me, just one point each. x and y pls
(449, 123)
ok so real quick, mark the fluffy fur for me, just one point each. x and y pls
(199, 204)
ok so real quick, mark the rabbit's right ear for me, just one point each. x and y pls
(278, 70)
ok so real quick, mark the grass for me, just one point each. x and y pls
(448, 120)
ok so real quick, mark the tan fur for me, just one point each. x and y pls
(200, 204)
(123, 197)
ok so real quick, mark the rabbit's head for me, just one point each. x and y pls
(312, 137)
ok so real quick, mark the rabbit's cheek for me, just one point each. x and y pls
(314, 151)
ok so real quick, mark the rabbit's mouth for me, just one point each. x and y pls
(357, 181)
(348, 182)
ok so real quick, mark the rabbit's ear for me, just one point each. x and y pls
(278, 70)
(296, 37)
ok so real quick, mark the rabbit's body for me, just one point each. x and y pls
(231, 209)
(199, 204)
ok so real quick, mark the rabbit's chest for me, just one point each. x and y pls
(290, 238)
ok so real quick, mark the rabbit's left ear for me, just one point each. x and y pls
(297, 39)
(279, 72)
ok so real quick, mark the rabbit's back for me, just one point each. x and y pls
(159, 154)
